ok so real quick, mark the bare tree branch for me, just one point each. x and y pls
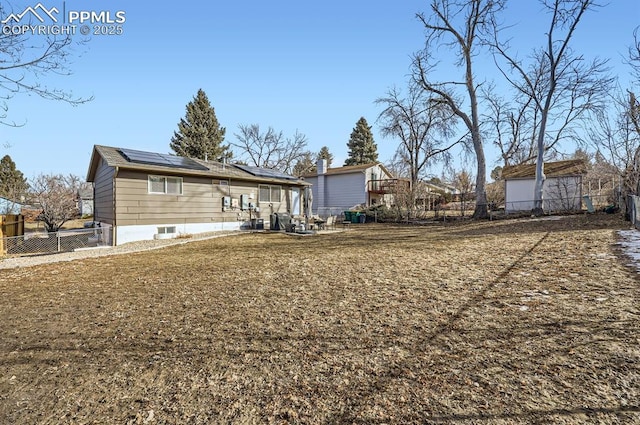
(461, 26)
(422, 126)
(562, 86)
(26, 58)
(270, 149)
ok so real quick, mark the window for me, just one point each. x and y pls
(166, 230)
(224, 186)
(166, 185)
(275, 193)
(265, 194)
(269, 193)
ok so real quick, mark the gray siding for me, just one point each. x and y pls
(345, 190)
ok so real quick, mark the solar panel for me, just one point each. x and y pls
(265, 172)
(152, 158)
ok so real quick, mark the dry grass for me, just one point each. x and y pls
(494, 322)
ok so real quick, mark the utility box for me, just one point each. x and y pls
(244, 202)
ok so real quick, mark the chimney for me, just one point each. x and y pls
(322, 166)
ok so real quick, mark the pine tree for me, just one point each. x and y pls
(325, 154)
(13, 184)
(199, 133)
(362, 149)
(305, 165)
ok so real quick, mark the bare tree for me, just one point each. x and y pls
(459, 26)
(634, 103)
(270, 149)
(563, 86)
(463, 181)
(616, 137)
(513, 126)
(57, 196)
(26, 58)
(421, 125)
(615, 133)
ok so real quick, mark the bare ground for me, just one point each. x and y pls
(508, 322)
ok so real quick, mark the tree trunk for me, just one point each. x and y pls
(481, 210)
(538, 189)
(538, 206)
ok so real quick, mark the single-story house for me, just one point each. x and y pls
(146, 195)
(562, 190)
(341, 188)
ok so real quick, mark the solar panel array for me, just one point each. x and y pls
(265, 172)
(152, 158)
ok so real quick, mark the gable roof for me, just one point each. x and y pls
(571, 167)
(447, 188)
(350, 169)
(117, 158)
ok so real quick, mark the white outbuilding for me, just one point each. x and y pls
(562, 190)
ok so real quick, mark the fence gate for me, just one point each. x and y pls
(11, 225)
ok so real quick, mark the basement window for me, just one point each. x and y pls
(165, 230)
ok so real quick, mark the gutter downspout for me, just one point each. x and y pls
(115, 215)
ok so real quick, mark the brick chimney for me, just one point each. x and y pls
(322, 166)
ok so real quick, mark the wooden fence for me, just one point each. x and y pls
(10, 225)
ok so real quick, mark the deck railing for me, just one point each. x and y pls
(383, 186)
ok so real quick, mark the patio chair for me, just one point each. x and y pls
(331, 222)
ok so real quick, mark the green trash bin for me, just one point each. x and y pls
(347, 216)
(355, 217)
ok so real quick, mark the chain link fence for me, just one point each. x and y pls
(61, 241)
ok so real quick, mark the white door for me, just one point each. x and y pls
(295, 201)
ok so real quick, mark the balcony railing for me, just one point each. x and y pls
(387, 185)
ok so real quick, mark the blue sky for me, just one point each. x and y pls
(315, 67)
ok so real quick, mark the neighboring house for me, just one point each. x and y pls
(444, 188)
(85, 201)
(341, 188)
(562, 190)
(7, 206)
(146, 195)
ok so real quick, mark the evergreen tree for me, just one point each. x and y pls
(199, 133)
(362, 149)
(325, 154)
(12, 182)
(305, 165)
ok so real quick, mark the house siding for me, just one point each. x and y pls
(103, 201)
(199, 208)
(345, 190)
(200, 202)
(341, 191)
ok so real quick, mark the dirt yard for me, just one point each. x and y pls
(504, 322)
